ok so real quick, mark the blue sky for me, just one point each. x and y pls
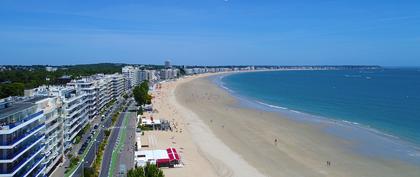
(211, 32)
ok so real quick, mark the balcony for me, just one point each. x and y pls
(76, 112)
(38, 171)
(52, 127)
(25, 163)
(12, 156)
(12, 143)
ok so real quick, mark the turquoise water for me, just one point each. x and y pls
(387, 100)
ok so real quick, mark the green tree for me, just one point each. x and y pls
(147, 171)
(153, 171)
(141, 94)
(11, 89)
(136, 172)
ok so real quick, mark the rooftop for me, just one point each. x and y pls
(12, 107)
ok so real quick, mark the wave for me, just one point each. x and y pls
(229, 90)
(349, 122)
(271, 106)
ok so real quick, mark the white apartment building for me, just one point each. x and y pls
(117, 84)
(134, 76)
(22, 136)
(130, 74)
(169, 74)
(104, 94)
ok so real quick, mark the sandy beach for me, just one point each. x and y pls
(216, 137)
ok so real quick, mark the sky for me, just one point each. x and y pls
(211, 32)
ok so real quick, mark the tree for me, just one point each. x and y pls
(153, 171)
(11, 89)
(141, 94)
(147, 171)
(136, 172)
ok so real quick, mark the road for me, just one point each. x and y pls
(123, 156)
(111, 145)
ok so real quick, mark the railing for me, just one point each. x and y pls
(13, 141)
(24, 161)
(39, 170)
(15, 124)
(11, 155)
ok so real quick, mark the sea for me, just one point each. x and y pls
(379, 109)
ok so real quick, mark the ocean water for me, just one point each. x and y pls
(384, 101)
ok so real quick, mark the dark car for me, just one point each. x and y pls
(81, 150)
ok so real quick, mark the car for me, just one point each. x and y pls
(81, 150)
(95, 126)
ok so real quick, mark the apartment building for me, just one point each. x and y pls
(117, 84)
(169, 74)
(89, 87)
(22, 137)
(130, 74)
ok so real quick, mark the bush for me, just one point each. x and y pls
(77, 139)
(73, 161)
(107, 133)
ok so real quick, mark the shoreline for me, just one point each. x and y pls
(286, 161)
(342, 128)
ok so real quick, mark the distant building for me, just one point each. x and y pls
(167, 64)
(50, 69)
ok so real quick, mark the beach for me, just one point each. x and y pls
(217, 137)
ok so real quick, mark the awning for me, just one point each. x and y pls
(173, 155)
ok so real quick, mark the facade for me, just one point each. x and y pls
(54, 133)
(117, 84)
(130, 75)
(89, 87)
(104, 94)
(166, 74)
(75, 111)
(22, 138)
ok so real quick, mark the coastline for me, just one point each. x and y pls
(387, 146)
(302, 148)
